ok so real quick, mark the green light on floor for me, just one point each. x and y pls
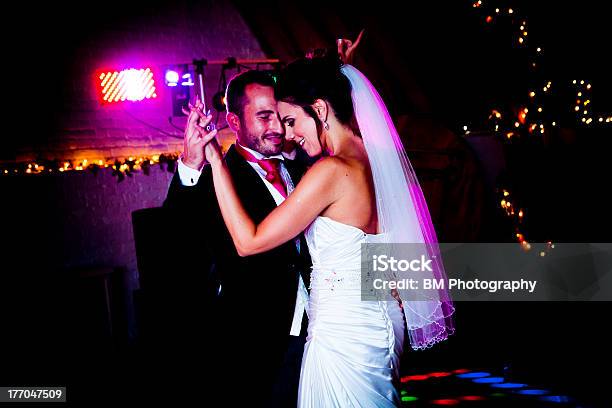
(409, 398)
(404, 392)
(498, 394)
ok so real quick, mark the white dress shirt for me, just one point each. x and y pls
(190, 177)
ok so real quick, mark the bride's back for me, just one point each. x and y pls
(356, 203)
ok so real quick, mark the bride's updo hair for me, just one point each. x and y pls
(305, 80)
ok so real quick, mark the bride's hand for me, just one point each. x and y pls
(346, 48)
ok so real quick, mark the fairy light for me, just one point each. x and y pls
(524, 125)
(119, 164)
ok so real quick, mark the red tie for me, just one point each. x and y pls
(270, 166)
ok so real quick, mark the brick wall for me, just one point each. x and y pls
(78, 218)
(171, 33)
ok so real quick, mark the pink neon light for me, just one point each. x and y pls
(130, 84)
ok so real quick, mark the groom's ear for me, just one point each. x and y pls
(233, 121)
(320, 108)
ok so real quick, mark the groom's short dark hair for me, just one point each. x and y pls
(235, 93)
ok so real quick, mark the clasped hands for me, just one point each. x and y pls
(200, 144)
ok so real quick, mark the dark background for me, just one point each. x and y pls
(432, 60)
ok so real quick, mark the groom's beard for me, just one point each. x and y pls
(268, 144)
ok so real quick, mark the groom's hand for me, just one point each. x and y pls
(193, 143)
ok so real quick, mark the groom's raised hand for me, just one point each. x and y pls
(194, 142)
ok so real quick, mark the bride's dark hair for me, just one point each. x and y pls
(305, 80)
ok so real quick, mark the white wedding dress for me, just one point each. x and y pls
(352, 352)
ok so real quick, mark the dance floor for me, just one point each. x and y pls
(478, 388)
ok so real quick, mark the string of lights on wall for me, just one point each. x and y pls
(121, 167)
(531, 120)
(136, 85)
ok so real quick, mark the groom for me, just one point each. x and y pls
(259, 325)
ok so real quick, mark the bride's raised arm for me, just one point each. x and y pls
(313, 195)
(315, 192)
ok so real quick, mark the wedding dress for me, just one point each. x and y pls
(351, 356)
(352, 352)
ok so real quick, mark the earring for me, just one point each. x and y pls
(326, 125)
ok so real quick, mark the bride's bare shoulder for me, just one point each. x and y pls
(324, 171)
(326, 166)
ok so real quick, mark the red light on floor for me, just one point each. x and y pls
(439, 374)
(413, 378)
(461, 371)
(445, 402)
(472, 398)
(130, 84)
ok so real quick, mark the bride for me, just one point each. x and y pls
(361, 190)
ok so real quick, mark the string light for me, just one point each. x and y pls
(523, 127)
(120, 166)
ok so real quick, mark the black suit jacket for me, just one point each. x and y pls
(258, 293)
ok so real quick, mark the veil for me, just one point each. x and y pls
(403, 216)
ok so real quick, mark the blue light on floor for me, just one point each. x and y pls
(479, 374)
(509, 385)
(556, 398)
(532, 392)
(489, 380)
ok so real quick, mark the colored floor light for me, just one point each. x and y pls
(556, 398)
(448, 401)
(461, 371)
(478, 374)
(471, 398)
(131, 84)
(532, 392)
(509, 385)
(488, 380)
(439, 374)
(413, 378)
(409, 398)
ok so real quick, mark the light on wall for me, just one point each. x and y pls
(127, 85)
